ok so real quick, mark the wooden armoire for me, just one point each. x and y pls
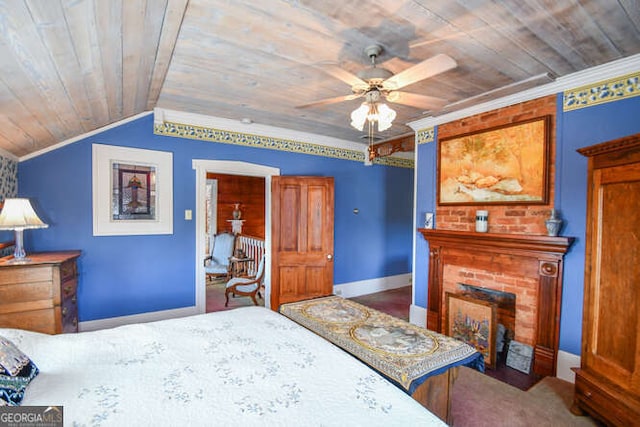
(608, 380)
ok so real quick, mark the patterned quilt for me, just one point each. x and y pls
(404, 353)
(245, 367)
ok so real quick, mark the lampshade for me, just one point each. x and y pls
(18, 215)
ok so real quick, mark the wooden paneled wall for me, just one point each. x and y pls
(248, 191)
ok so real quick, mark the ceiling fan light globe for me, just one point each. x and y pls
(385, 117)
(359, 116)
(372, 114)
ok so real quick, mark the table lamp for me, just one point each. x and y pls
(18, 215)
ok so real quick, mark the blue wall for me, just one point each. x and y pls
(425, 202)
(574, 129)
(124, 275)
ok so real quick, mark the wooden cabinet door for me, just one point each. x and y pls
(302, 238)
(612, 309)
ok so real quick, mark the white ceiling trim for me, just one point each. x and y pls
(83, 136)
(560, 85)
(162, 115)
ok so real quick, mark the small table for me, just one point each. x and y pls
(238, 266)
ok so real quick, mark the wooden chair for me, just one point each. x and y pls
(246, 286)
(217, 264)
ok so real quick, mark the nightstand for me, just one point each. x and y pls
(40, 295)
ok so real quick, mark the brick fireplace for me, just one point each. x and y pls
(528, 266)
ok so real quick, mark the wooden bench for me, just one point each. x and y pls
(423, 363)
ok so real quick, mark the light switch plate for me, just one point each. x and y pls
(187, 215)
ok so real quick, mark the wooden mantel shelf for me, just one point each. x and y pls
(500, 242)
(539, 257)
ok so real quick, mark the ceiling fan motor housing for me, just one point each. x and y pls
(374, 75)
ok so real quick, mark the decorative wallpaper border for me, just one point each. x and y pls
(201, 133)
(425, 135)
(610, 90)
(8, 178)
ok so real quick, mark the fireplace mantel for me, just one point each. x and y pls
(528, 255)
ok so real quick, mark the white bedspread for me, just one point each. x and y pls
(248, 366)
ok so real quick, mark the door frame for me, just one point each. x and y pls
(228, 167)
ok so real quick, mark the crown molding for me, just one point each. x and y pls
(215, 129)
(83, 136)
(561, 84)
(162, 115)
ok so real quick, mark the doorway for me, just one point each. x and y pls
(202, 167)
(235, 205)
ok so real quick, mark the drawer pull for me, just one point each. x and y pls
(73, 300)
(587, 394)
(75, 322)
(64, 311)
(68, 289)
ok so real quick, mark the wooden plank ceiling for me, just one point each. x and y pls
(69, 67)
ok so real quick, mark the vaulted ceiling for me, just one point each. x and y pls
(69, 67)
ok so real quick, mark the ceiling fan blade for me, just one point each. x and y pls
(425, 69)
(328, 101)
(344, 75)
(424, 102)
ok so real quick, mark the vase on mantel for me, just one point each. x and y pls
(236, 211)
(553, 223)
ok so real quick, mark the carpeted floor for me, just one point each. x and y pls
(481, 401)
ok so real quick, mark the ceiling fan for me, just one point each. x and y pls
(376, 84)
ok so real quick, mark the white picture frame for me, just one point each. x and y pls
(104, 157)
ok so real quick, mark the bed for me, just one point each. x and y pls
(248, 366)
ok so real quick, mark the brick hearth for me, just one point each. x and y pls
(528, 266)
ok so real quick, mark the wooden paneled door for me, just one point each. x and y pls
(302, 233)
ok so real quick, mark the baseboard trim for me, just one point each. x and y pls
(565, 362)
(418, 315)
(112, 322)
(366, 287)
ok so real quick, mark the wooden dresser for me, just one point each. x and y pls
(40, 295)
(608, 381)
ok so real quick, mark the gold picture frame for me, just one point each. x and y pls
(507, 164)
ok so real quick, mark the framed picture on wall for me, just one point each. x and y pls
(473, 321)
(502, 165)
(132, 191)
